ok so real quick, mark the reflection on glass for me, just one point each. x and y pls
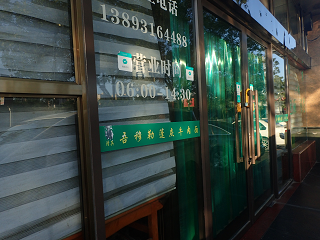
(39, 177)
(145, 75)
(297, 106)
(294, 22)
(257, 77)
(36, 40)
(280, 12)
(281, 119)
(223, 71)
(265, 3)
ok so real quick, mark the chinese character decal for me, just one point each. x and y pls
(150, 134)
(171, 133)
(189, 130)
(124, 138)
(139, 60)
(162, 4)
(165, 67)
(176, 69)
(161, 133)
(109, 143)
(137, 136)
(173, 8)
(153, 65)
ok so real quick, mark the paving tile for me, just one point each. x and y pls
(316, 169)
(263, 223)
(295, 216)
(253, 235)
(306, 196)
(274, 234)
(312, 180)
(297, 221)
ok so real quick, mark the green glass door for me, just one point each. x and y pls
(227, 169)
(260, 166)
(238, 126)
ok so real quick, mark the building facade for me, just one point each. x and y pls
(162, 119)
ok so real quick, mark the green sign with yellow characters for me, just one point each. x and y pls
(115, 137)
(281, 118)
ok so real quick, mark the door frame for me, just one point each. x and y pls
(225, 13)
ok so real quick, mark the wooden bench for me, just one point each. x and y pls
(304, 158)
(129, 218)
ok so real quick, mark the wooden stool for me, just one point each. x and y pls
(148, 209)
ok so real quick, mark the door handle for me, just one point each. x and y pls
(239, 158)
(257, 125)
(251, 128)
(252, 154)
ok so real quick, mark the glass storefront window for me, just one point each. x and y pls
(281, 119)
(280, 12)
(39, 176)
(36, 40)
(147, 99)
(294, 22)
(297, 106)
(265, 3)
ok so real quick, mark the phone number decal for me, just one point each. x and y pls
(133, 22)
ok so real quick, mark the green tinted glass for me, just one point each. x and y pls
(257, 77)
(223, 72)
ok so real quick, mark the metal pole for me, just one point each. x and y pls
(10, 116)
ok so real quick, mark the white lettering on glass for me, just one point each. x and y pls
(139, 60)
(154, 65)
(150, 90)
(155, 31)
(115, 19)
(162, 4)
(176, 70)
(104, 13)
(173, 7)
(165, 67)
